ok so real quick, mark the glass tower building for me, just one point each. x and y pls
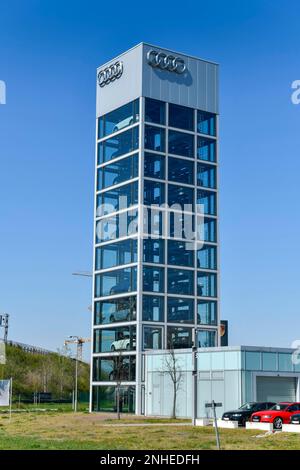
(156, 275)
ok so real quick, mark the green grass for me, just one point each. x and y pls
(92, 431)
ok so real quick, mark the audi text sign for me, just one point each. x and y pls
(163, 61)
(110, 73)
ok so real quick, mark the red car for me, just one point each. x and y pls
(278, 415)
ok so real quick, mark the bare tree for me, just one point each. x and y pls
(171, 366)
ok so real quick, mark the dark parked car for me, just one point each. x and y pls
(295, 419)
(244, 413)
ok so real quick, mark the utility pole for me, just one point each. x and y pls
(194, 376)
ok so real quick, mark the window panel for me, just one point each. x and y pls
(182, 225)
(206, 123)
(104, 398)
(154, 166)
(153, 279)
(155, 111)
(207, 312)
(153, 223)
(153, 308)
(118, 119)
(207, 229)
(114, 368)
(117, 226)
(117, 172)
(181, 117)
(155, 138)
(116, 199)
(207, 257)
(206, 176)
(115, 310)
(179, 254)
(181, 171)
(206, 338)
(154, 193)
(182, 197)
(206, 149)
(181, 143)
(152, 337)
(179, 337)
(115, 282)
(153, 251)
(108, 256)
(180, 310)
(118, 338)
(207, 284)
(208, 202)
(180, 281)
(118, 145)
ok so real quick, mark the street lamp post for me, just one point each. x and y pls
(76, 338)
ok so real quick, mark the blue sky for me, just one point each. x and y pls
(48, 55)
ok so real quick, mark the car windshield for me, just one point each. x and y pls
(279, 407)
(247, 406)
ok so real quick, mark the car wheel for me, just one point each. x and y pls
(128, 346)
(111, 319)
(277, 423)
(113, 348)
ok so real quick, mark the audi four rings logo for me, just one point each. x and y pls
(111, 73)
(166, 62)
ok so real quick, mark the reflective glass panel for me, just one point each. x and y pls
(181, 143)
(152, 337)
(114, 254)
(116, 199)
(207, 257)
(181, 117)
(115, 282)
(117, 172)
(154, 251)
(206, 176)
(207, 285)
(206, 123)
(182, 197)
(115, 310)
(153, 308)
(105, 399)
(180, 281)
(154, 193)
(180, 170)
(206, 338)
(118, 145)
(118, 119)
(180, 310)
(155, 138)
(153, 279)
(154, 166)
(206, 149)
(207, 312)
(208, 202)
(179, 254)
(155, 111)
(179, 337)
(117, 338)
(114, 368)
(117, 226)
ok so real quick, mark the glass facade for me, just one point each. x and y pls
(151, 291)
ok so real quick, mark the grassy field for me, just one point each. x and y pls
(102, 432)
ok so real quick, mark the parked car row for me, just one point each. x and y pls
(266, 412)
